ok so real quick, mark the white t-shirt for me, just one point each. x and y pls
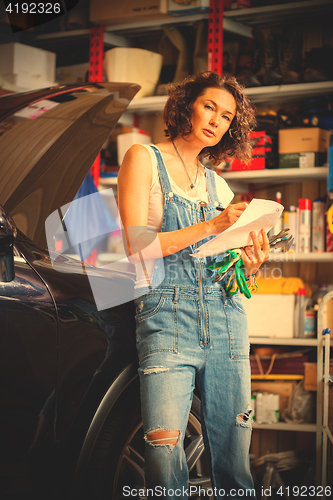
(156, 207)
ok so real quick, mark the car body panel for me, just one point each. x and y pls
(47, 151)
(60, 355)
(28, 366)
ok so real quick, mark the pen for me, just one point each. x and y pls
(220, 209)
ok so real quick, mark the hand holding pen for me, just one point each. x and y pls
(227, 217)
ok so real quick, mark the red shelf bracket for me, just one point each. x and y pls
(96, 53)
(96, 59)
(215, 36)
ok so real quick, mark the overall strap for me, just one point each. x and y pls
(211, 186)
(164, 178)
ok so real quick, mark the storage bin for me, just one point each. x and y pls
(134, 65)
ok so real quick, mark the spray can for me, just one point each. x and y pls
(318, 227)
(330, 166)
(304, 235)
(329, 223)
(260, 410)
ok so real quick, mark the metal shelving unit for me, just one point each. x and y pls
(272, 93)
(119, 35)
(276, 176)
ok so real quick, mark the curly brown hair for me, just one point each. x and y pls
(178, 110)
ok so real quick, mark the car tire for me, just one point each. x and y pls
(116, 466)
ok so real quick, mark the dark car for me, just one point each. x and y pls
(69, 391)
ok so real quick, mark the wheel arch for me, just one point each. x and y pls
(119, 385)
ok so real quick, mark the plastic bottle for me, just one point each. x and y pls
(330, 166)
(329, 222)
(317, 297)
(304, 235)
(300, 305)
(320, 293)
(310, 319)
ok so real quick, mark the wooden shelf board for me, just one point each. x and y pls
(283, 341)
(277, 377)
(284, 426)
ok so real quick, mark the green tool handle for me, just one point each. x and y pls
(240, 278)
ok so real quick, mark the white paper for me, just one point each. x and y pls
(260, 214)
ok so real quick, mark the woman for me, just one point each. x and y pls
(187, 327)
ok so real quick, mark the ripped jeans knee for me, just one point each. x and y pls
(245, 419)
(162, 437)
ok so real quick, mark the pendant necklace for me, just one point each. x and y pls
(192, 184)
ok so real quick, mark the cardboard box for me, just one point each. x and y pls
(284, 389)
(76, 73)
(187, 8)
(299, 140)
(110, 12)
(17, 20)
(27, 67)
(302, 160)
(310, 382)
(270, 315)
(310, 376)
(237, 4)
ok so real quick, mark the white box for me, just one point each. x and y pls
(270, 315)
(125, 141)
(187, 8)
(27, 67)
(77, 73)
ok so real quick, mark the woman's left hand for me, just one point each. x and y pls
(254, 256)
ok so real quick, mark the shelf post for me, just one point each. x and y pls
(96, 53)
(215, 37)
(96, 58)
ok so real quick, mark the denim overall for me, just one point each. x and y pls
(188, 330)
